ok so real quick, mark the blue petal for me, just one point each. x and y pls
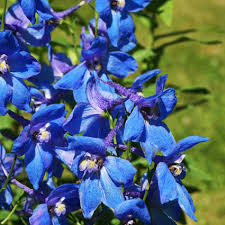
(90, 195)
(62, 220)
(141, 79)
(166, 183)
(27, 67)
(36, 35)
(49, 113)
(44, 9)
(134, 126)
(187, 143)
(160, 137)
(87, 144)
(8, 43)
(6, 197)
(134, 207)
(184, 202)
(21, 95)
(40, 216)
(23, 142)
(29, 8)
(98, 48)
(121, 64)
(111, 193)
(160, 83)
(73, 79)
(80, 118)
(5, 95)
(15, 17)
(34, 166)
(121, 171)
(136, 5)
(168, 101)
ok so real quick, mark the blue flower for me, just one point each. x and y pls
(115, 13)
(60, 202)
(38, 140)
(12, 87)
(6, 196)
(101, 176)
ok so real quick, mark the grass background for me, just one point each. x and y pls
(189, 64)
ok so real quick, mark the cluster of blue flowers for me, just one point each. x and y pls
(109, 126)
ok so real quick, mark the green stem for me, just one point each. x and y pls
(3, 15)
(9, 176)
(10, 214)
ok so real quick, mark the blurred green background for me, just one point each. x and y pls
(200, 111)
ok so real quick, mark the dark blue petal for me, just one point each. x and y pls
(62, 220)
(40, 216)
(8, 43)
(111, 193)
(22, 144)
(166, 183)
(36, 35)
(135, 126)
(5, 96)
(160, 84)
(44, 10)
(187, 143)
(136, 5)
(73, 79)
(47, 114)
(121, 64)
(160, 218)
(90, 195)
(6, 197)
(134, 207)
(121, 171)
(27, 67)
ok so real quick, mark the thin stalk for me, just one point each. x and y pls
(9, 175)
(10, 214)
(96, 23)
(3, 16)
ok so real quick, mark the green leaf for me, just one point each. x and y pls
(142, 54)
(5, 213)
(167, 12)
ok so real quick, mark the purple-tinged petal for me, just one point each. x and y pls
(111, 193)
(121, 64)
(90, 195)
(29, 8)
(15, 17)
(121, 171)
(135, 208)
(40, 216)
